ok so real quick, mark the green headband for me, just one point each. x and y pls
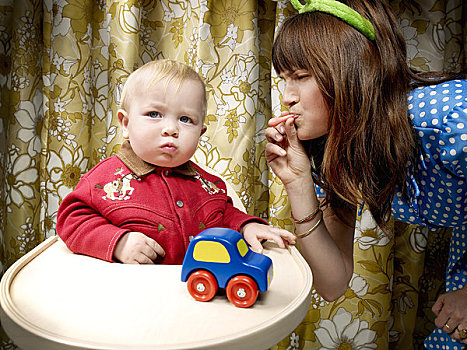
(339, 10)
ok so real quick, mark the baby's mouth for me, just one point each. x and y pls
(169, 147)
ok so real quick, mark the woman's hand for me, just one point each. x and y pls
(284, 151)
(451, 312)
(329, 249)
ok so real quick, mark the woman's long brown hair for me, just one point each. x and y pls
(365, 84)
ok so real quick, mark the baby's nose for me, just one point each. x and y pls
(170, 128)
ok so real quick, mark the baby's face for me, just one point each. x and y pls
(164, 123)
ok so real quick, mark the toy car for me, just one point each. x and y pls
(220, 258)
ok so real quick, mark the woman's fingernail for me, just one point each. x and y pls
(281, 129)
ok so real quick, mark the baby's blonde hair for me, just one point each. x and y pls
(153, 72)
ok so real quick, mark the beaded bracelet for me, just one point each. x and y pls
(303, 235)
(306, 219)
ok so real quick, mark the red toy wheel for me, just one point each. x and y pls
(242, 291)
(202, 285)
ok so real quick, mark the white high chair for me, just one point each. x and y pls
(54, 299)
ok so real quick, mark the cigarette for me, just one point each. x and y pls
(277, 120)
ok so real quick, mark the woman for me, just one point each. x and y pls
(347, 136)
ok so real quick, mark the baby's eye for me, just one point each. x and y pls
(185, 119)
(154, 114)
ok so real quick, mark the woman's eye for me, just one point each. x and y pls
(185, 119)
(154, 114)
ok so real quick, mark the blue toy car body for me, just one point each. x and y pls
(222, 254)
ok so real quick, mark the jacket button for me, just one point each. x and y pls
(166, 172)
(179, 203)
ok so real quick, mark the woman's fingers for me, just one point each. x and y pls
(273, 151)
(273, 122)
(437, 306)
(291, 133)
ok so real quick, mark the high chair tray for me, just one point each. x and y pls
(54, 299)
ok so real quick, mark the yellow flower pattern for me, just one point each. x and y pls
(62, 68)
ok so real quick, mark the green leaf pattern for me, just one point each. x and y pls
(62, 68)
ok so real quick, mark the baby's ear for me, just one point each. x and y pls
(122, 116)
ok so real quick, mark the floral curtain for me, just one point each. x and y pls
(63, 64)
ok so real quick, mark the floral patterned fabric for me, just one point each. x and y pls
(62, 66)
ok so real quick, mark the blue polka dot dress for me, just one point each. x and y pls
(436, 184)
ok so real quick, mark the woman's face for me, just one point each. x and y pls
(304, 99)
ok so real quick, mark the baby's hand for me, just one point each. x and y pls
(254, 233)
(137, 248)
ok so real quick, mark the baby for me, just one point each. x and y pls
(146, 203)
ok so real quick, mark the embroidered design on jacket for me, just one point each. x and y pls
(209, 187)
(120, 188)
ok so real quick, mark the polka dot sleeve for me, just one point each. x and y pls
(453, 141)
(436, 183)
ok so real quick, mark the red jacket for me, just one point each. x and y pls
(123, 193)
